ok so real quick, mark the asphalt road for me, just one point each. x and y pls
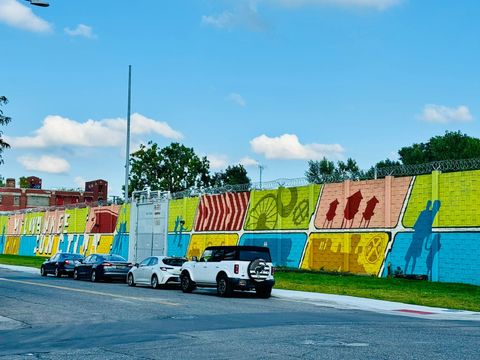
(50, 318)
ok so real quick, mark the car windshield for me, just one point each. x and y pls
(249, 255)
(73, 256)
(114, 258)
(174, 261)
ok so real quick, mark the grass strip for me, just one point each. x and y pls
(32, 261)
(445, 295)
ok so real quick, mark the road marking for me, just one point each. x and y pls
(92, 292)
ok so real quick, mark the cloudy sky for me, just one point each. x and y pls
(271, 82)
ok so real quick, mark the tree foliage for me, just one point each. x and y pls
(452, 146)
(4, 120)
(173, 168)
(322, 171)
(233, 175)
(24, 184)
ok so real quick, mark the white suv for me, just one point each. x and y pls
(230, 268)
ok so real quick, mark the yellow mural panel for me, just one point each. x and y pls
(105, 244)
(32, 223)
(48, 245)
(12, 245)
(182, 210)
(198, 243)
(357, 253)
(77, 220)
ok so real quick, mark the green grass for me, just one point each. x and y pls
(446, 295)
(32, 261)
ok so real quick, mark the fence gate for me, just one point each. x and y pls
(148, 225)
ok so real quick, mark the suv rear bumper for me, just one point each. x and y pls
(248, 284)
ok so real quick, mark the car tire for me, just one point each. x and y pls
(42, 271)
(224, 288)
(130, 280)
(58, 273)
(186, 283)
(256, 270)
(154, 282)
(263, 292)
(75, 275)
(93, 276)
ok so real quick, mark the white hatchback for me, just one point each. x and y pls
(156, 271)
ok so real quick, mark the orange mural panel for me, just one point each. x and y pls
(102, 219)
(15, 223)
(362, 204)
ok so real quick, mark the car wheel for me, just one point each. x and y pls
(75, 275)
(42, 271)
(93, 277)
(264, 291)
(224, 288)
(258, 270)
(130, 280)
(154, 282)
(58, 273)
(186, 283)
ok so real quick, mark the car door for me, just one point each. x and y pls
(87, 266)
(142, 271)
(207, 269)
(50, 265)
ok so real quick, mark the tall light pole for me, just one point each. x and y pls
(260, 168)
(127, 155)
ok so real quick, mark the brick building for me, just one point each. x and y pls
(13, 198)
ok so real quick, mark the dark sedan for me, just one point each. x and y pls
(102, 267)
(60, 264)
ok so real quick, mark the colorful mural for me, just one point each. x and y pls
(199, 242)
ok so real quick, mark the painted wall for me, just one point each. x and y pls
(82, 230)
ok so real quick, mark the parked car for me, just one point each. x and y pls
(156, 271)
(230, 268)
(60, 264)
(97, 267)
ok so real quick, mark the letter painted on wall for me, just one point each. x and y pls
(198, 243)
(282, 209)
(182, 210)
(362, 204)
(224, 212)
(357, 253)
(286, 249)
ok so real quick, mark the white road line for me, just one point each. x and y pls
(92, 292)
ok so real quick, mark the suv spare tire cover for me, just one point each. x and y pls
(258, 270)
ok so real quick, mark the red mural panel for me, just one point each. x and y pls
(223, 212)
(102, 219)
(362, 204)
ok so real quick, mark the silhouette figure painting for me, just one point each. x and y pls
(331, 213)
(369, 212)
(351, 208)
(432, 252)
(422, 231)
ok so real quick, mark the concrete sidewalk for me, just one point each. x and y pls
(347, 302)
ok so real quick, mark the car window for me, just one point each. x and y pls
(174, 261)
(94, 259)
(207, 254)
(145, 262)
(153, 261)
(54, 257)
(87, 259)
(73, 256)
(217, 255)
(114, 258)
(230, 254)
(249, 255)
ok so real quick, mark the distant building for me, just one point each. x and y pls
(13, 198)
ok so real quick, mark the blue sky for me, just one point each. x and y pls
(276, 82)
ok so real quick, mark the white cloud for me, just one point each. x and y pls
(81, 30)
(15, 14)
(376, 4)
(221, 21)
(60, 131)
(217, 162)
(79, 181)
(245, 14)
(237, 99)
(45, 163)
(248, 162)
(443, 114)
(288, 146)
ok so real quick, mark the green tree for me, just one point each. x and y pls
(24, 183)
(233, 175)
(452, 146)
(370, 173)
(173, 168)
(4, 120)
(323, 171)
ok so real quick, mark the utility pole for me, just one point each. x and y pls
(260, 168)
(127, 155)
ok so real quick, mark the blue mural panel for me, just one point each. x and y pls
(177, 244)
(437, 256)
(120, 241)
(286, 248)
(27, 245)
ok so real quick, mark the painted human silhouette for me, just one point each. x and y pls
(369, 211)
(422, 230)
(331, 213)
(351, 208)
(433, 250)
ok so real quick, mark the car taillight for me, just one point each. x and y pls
(107, 264)
(273, 270)
(165, 268)
(67, 262)
(236, 268)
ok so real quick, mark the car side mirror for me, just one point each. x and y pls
(194, 258)
(136, 265)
